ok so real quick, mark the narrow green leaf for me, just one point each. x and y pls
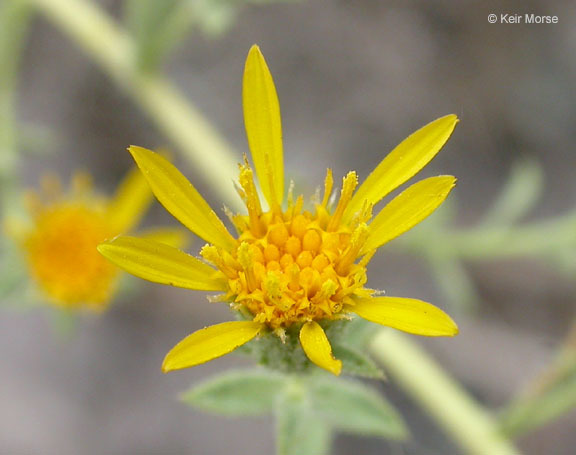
(157, 26)
(539, 410)
(355, 408)
(356, 363)
(299, 430)
(250, 392)
(520, 194)
(453, 279)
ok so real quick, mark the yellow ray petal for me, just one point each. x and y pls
(409, 315)
(209, 343)
(317, 347)
(180, 198)
(408, 209)
(402, 163)
(175, 237)
(130, 203)
(263, 126)
(159, 263)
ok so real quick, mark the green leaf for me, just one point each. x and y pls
(353, 407)
(214, 18)
(358, 333)
(250, 392)
(356, 363)
(519, 195)
(299, 430)
(453, 279)
(156, 26)
(540, 409)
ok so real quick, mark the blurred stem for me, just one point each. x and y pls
(549, 396)
(518, 241)
(113, 49)
(445, 400)
(498, 242)
(14, 20)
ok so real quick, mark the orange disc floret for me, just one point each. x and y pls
(66, 226)
(62, 255)
(288, 268)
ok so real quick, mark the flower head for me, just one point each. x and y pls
(290, 267)
(60, 242)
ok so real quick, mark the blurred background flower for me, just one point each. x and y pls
(354, 77)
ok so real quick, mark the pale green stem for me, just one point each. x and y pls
(453, 409)
(112, 48)
(548, 396)
(499, 242)
(505, 242)
(540, 410)
(14, 19)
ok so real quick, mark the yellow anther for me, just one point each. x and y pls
(251, 199)
(328, 184)
(356, 243)
(298, 205)
(211, 254)
(245, 255)
(272, 287)
(349, 184)
(246, 260)
(327, 290)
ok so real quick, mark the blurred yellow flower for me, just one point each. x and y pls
(289, 267)
(60, 242)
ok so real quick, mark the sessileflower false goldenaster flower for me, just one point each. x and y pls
(67, 226)
(289, 267)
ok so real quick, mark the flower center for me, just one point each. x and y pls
(63, 257)
(295, 265)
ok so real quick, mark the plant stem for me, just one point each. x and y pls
(504, 242)
(14, 20)
(496, 242)
(469, 425)
(113, 49)
(548, 396)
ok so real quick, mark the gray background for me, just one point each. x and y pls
(354, 78)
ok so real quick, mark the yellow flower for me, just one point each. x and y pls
(289, 268)
(60, 244)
